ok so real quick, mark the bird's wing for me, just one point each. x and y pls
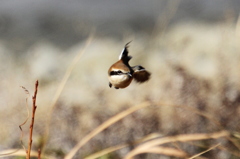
(140, 74)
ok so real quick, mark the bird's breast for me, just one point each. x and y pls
(120, 81)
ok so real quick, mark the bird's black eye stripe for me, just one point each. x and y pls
(116, 72)
(112, 73)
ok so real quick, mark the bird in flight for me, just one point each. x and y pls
(121, 74)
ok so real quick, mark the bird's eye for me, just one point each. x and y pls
(115, 72)
(119, 72)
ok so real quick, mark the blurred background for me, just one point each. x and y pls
(192, 49)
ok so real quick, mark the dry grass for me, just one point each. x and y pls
(103, 126)
(194, 91)
(152, 146)
(61, 86)
(21, 153)
(118, 147)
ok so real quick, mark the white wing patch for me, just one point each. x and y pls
(139, 70)
(120, 56)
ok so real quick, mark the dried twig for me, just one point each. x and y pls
(34, 107)
(39, 153)
(20, 126)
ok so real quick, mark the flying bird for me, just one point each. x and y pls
(121, 74)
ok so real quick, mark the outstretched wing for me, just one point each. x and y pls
(140, 74)
(124, 54)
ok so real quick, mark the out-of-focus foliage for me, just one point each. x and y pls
(193, 63)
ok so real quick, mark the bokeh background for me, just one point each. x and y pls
(192, 49)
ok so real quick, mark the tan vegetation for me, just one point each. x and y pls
(189, 107)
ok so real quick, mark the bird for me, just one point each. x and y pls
(121, 74)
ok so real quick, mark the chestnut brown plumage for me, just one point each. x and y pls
(121, 74)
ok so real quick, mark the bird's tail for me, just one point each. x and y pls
(140, 74)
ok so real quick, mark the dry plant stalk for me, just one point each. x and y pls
(18, 153)
(103, 126)
(213, 147)
(39, 153)
(34, 107)
(20, 126)
(121, 115)
(148, 146)
(61, 86)
(166, 151)
(21, 153)
(118, 147)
